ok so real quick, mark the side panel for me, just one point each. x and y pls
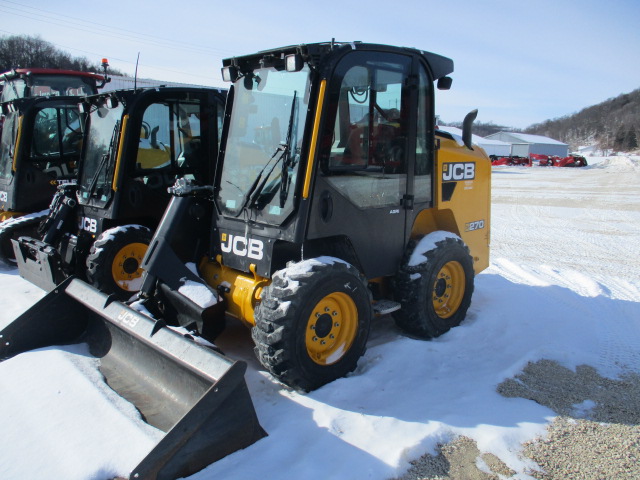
(462, 201)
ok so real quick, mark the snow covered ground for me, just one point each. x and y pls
(563, 285)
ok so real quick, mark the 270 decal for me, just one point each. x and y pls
(471, 226)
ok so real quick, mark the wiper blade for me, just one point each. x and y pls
(105, 157)
(248, 198)
(285, 157)
(253, 194)
(292, 130)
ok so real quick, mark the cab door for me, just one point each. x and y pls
(366, 157)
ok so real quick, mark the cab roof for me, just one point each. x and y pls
(317, 53)
(18, 72)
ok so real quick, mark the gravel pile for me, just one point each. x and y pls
(596, 435)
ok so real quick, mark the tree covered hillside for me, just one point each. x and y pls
(34, 52)
(612, 125)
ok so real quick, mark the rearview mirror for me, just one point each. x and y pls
(444, 83)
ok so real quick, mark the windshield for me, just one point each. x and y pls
(97, 166)
(7, 145)
(262, 149)
(48, 85)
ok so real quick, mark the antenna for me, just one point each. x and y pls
(135, 76)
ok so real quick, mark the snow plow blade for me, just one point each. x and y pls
(197, 396)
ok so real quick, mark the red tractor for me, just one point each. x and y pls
(555, 161)
(511, 161)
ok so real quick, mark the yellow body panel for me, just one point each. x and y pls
(153, 158)
(116, 176)
(314, 141)
(462, 199)
(16, 151)
(7, 215)
(244, 290)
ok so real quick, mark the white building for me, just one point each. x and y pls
(118, 82)
(492, 147)
(522, 144)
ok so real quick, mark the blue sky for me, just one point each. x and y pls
(519, 63)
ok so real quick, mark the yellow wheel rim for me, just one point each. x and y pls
(332, 328)
(126, 269)
(448, 289)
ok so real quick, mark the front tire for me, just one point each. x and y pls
(434, 293)
(113, 263)
(312, 324)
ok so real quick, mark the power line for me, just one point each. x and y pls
(119, 59)
(49, 18)
(93, 30)
(127, 34)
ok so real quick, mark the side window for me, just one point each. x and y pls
(365, 152)
(56, 142)
(7, 145)
(187, 135)
(71, 131)
(13, 89)
(46, 137)
(423, 181)
(154, 150)
(220, 120)
(170, 136)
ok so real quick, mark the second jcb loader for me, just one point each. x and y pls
(333, 200)
(137, 143)
(40, 143)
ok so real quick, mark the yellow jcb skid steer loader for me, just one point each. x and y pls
(334, 199)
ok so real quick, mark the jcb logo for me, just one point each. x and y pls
(454, 172)
(4, 196)
(242, 247)
(128, 318)
(88, 224)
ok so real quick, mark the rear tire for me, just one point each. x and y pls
(312, 324)
(113, 263)
(435, 293)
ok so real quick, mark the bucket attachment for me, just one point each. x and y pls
(195, 395)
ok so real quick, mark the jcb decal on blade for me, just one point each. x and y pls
(88, 224)
(471, 226)
(242, 246)
(128, 318)
(454, 172)
(4, 196)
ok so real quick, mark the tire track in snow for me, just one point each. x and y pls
(616, 311)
